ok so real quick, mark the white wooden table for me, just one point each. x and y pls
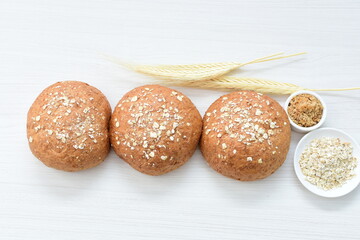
(42, 42)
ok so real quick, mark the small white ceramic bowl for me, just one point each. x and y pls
(327, 132)
(298, 128)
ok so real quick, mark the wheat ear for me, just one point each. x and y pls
(192, 72)
(244, 83)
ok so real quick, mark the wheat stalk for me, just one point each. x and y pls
(192, 72)
(211, 76)
(244, 83)
(240, 83)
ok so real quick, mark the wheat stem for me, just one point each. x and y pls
(266, 59)
(335, 89)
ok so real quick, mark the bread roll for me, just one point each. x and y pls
(155, 129)
(246, 135)
(67, 126)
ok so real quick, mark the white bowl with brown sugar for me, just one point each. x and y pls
(306, 110)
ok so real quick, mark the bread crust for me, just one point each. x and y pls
(67, 126)
(246, 135)
(155, 129)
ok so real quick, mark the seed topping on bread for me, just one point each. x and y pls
(73, 119)
(156, 131)
(249, 123)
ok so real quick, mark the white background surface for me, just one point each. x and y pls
(42, 42)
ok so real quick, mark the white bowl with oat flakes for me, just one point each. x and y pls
(328, 163)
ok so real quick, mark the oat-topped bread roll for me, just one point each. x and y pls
(246, 135)
(155, 129)
(67, 126)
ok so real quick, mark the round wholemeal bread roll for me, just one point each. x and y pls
(67, 126)
(155, 129)
(246, 135)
